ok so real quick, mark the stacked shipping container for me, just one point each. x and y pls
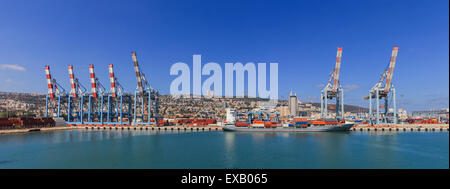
(23, 122)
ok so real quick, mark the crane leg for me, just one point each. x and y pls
(378, 106)
(395, 106)
(321, 104)
(370, 107)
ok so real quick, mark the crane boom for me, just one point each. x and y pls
(93, 81)
(390, 71)
(337, 69)
(51, 92)
(112, 79)
(75, 86)
(386, 77)
(73, 90)
(138, 73)
(96, 86)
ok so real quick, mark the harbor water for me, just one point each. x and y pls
(216, 149)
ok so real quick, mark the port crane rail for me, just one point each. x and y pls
(333, 90)
(383, 90)
(145, 97)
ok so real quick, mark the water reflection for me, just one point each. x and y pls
(78, 136)
(196, 149)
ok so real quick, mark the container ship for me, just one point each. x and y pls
(297, 125)
(310, 128)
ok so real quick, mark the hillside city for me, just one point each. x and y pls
(33, 105)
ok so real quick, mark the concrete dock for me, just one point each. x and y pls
(361, 127)
(402, 127)
(155, 128)
(8, 131)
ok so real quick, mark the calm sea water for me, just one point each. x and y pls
(152, 149)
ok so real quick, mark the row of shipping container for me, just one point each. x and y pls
(23, 122)
(198, 122)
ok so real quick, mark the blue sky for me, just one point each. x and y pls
(302, 36)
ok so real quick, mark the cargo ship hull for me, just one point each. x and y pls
(313, 128)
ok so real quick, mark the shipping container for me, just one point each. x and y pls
(242, 124)
(318, 122)
(300, 119)
(258, 122)
(257, 125)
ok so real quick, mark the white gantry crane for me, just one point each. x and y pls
(384, 89)
(55, 90)
(75, 104)
(119, 103)
(144, 98)
(333, 90)
(96, 99)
